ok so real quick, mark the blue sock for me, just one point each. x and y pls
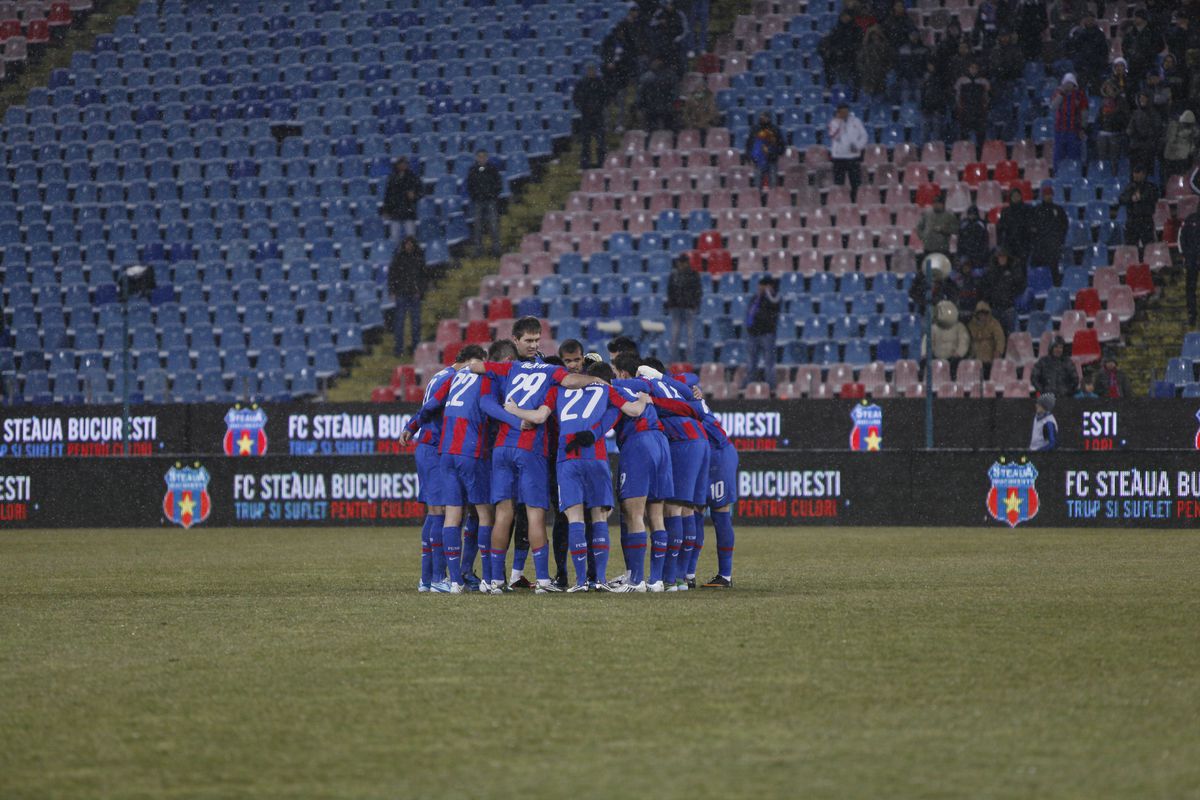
(541, 562)
(519, 558)
(723, 524)
(498, 559)
(426, 553)
(635, 556)
(483, 538)
(600, 550)
(577, 547)
(452, 546)
(699, 544)
(470, 534)
(438, 553)
(658, 555)
(689, 544)
(625, 554)
(674, 545)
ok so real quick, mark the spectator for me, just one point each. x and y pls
(874, 61)
(406, 284)
(1050, 223)
(1140, 198)
(1054, 373)
(1112, 122)
(1111, 381)
(839, 51)
(1087, 48)
(947, 51)
(670, 35)
(973, 238)
(951, 341)
(910, 66)
(935, 100)
(683, 301)
(1031, 22)
(968, 286)
(619, 59)
(1145, 133)
(944, 285)
(590, 97)
(847, 141)
(1045, 426)
(484, 186)
(763, 149)
(1001, 285)
(400, 201)
(972, 94)
(986, 30)
(936, 226)
(700, 110)
(1192, 63)
(1087, 391)
(1183, 139)
(698, 25)
(1179, 37)
(1126, 86)
(898, 27)
(762, 321)
(1006, 71)
(1141, 45)
(1189, 248)
(987, 337)
(1014, 230)
(1069, 104)
(1173, 84)
(655, 97)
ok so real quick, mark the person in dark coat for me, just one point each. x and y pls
(762, 324)
(1087, 47)
(1050, 223)
(400, 198)
(656, 97)
(484, 185)
(1140, 198)
(1189, 248)
(839, 51)
(1014, 230)
(683, 301)
(1054, 373)
(1000, 286)
(590, 96)
(1145, 134)
(1111, 382)
(407, 281)
(973, 238)
(1031, 22)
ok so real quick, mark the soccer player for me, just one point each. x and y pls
(527, 335)
(584, 417)
(433, 562)
(644, 476)
(520, 471)
(571, 353)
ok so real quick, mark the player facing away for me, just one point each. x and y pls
(644, 481)
(722, 492)
(584, 416)
(520, 463)
(427, 429)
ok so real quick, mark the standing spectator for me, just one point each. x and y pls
(972, 94)
(1031, 22)
(936, 226)
(1006, 71)
(406, 284)
(1045, 426)
(1183, 140)
(1179, 37)
(1140, 198)
(1173, 84)
(947, 51)
(951, 341)
(655, 97)
(968, 285)
(1113, 119)
(945, 287)
(1087, 48)
(1014, 230)
(898, 27)
(1001, 285)
(1112, 382)
(762, 321)
(400, 200)
(973, 238)
(986, 30)
(619, 59)
(1141, 45)
(700, 109)
(1189, 248)
(1069, 104)
(590, 96)
(1050, 223)
(683, 301)
(763, 149)
(698, 25)
(1145, 133)
(987, 337)
(910, 66)
(1054, 373)
(839, 51)
(935, 100)
(874, 61)
(847, 141)
(669, 32)
(484, 186)
(1125, 84)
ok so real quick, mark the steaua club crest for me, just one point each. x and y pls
(245, 431)
(1198, 431)
(867, 434)
(187, 502)
(1013, 498)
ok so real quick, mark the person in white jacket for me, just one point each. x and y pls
(847, 140)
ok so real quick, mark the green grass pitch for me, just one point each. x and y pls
(846, 664)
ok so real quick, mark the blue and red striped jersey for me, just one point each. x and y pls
(464, 422)
(579, 410)
(678, 411)
(430, 424)
(525, 383)
(627, 426)
(712, 426)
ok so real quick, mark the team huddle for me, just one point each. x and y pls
(486, 433)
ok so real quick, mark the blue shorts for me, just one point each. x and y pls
(646, 467)
(521, 476)
(722, 476)
(465, 481)
(689, 471)
(429, 471)
(584, 482)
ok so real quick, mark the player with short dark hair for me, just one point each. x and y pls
(571, 353)
(527, 335)
(622, 344)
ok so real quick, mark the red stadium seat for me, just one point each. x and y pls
(37, 31)
(448, 330)
(1139, 280)
(927, 193)
(1087, 301)
(994, 152)
(852, 391)
(758, 390)
(414, 393)
(720, 261)
(1085, 346)
(478, 332)
(1006, 172)
(383, 394)
(500, 308)
(975, 173)
(60, 14)
(450, 352)
(403, 375)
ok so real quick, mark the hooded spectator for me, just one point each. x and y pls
(1050, 223)
(1054, 373)
(1141, 45)
(1182, 142)
(1111, 381)
(973, 238)
(987, 337)
(1087, 47)
(839, 51)
(874, 61)
(1014, 229)
(936, 226)
(1045, 426)
(1145, 134)
(1112, 122)
(1001, 285)
(951, 341)
(1173, 81)
(935, 101)
(1180, 37)
(1069, 105)
(1031, 22)
(973, 94)
(1189, 248)
(1140, 198)
(898, 26)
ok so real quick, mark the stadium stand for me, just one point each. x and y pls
(238, 150)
